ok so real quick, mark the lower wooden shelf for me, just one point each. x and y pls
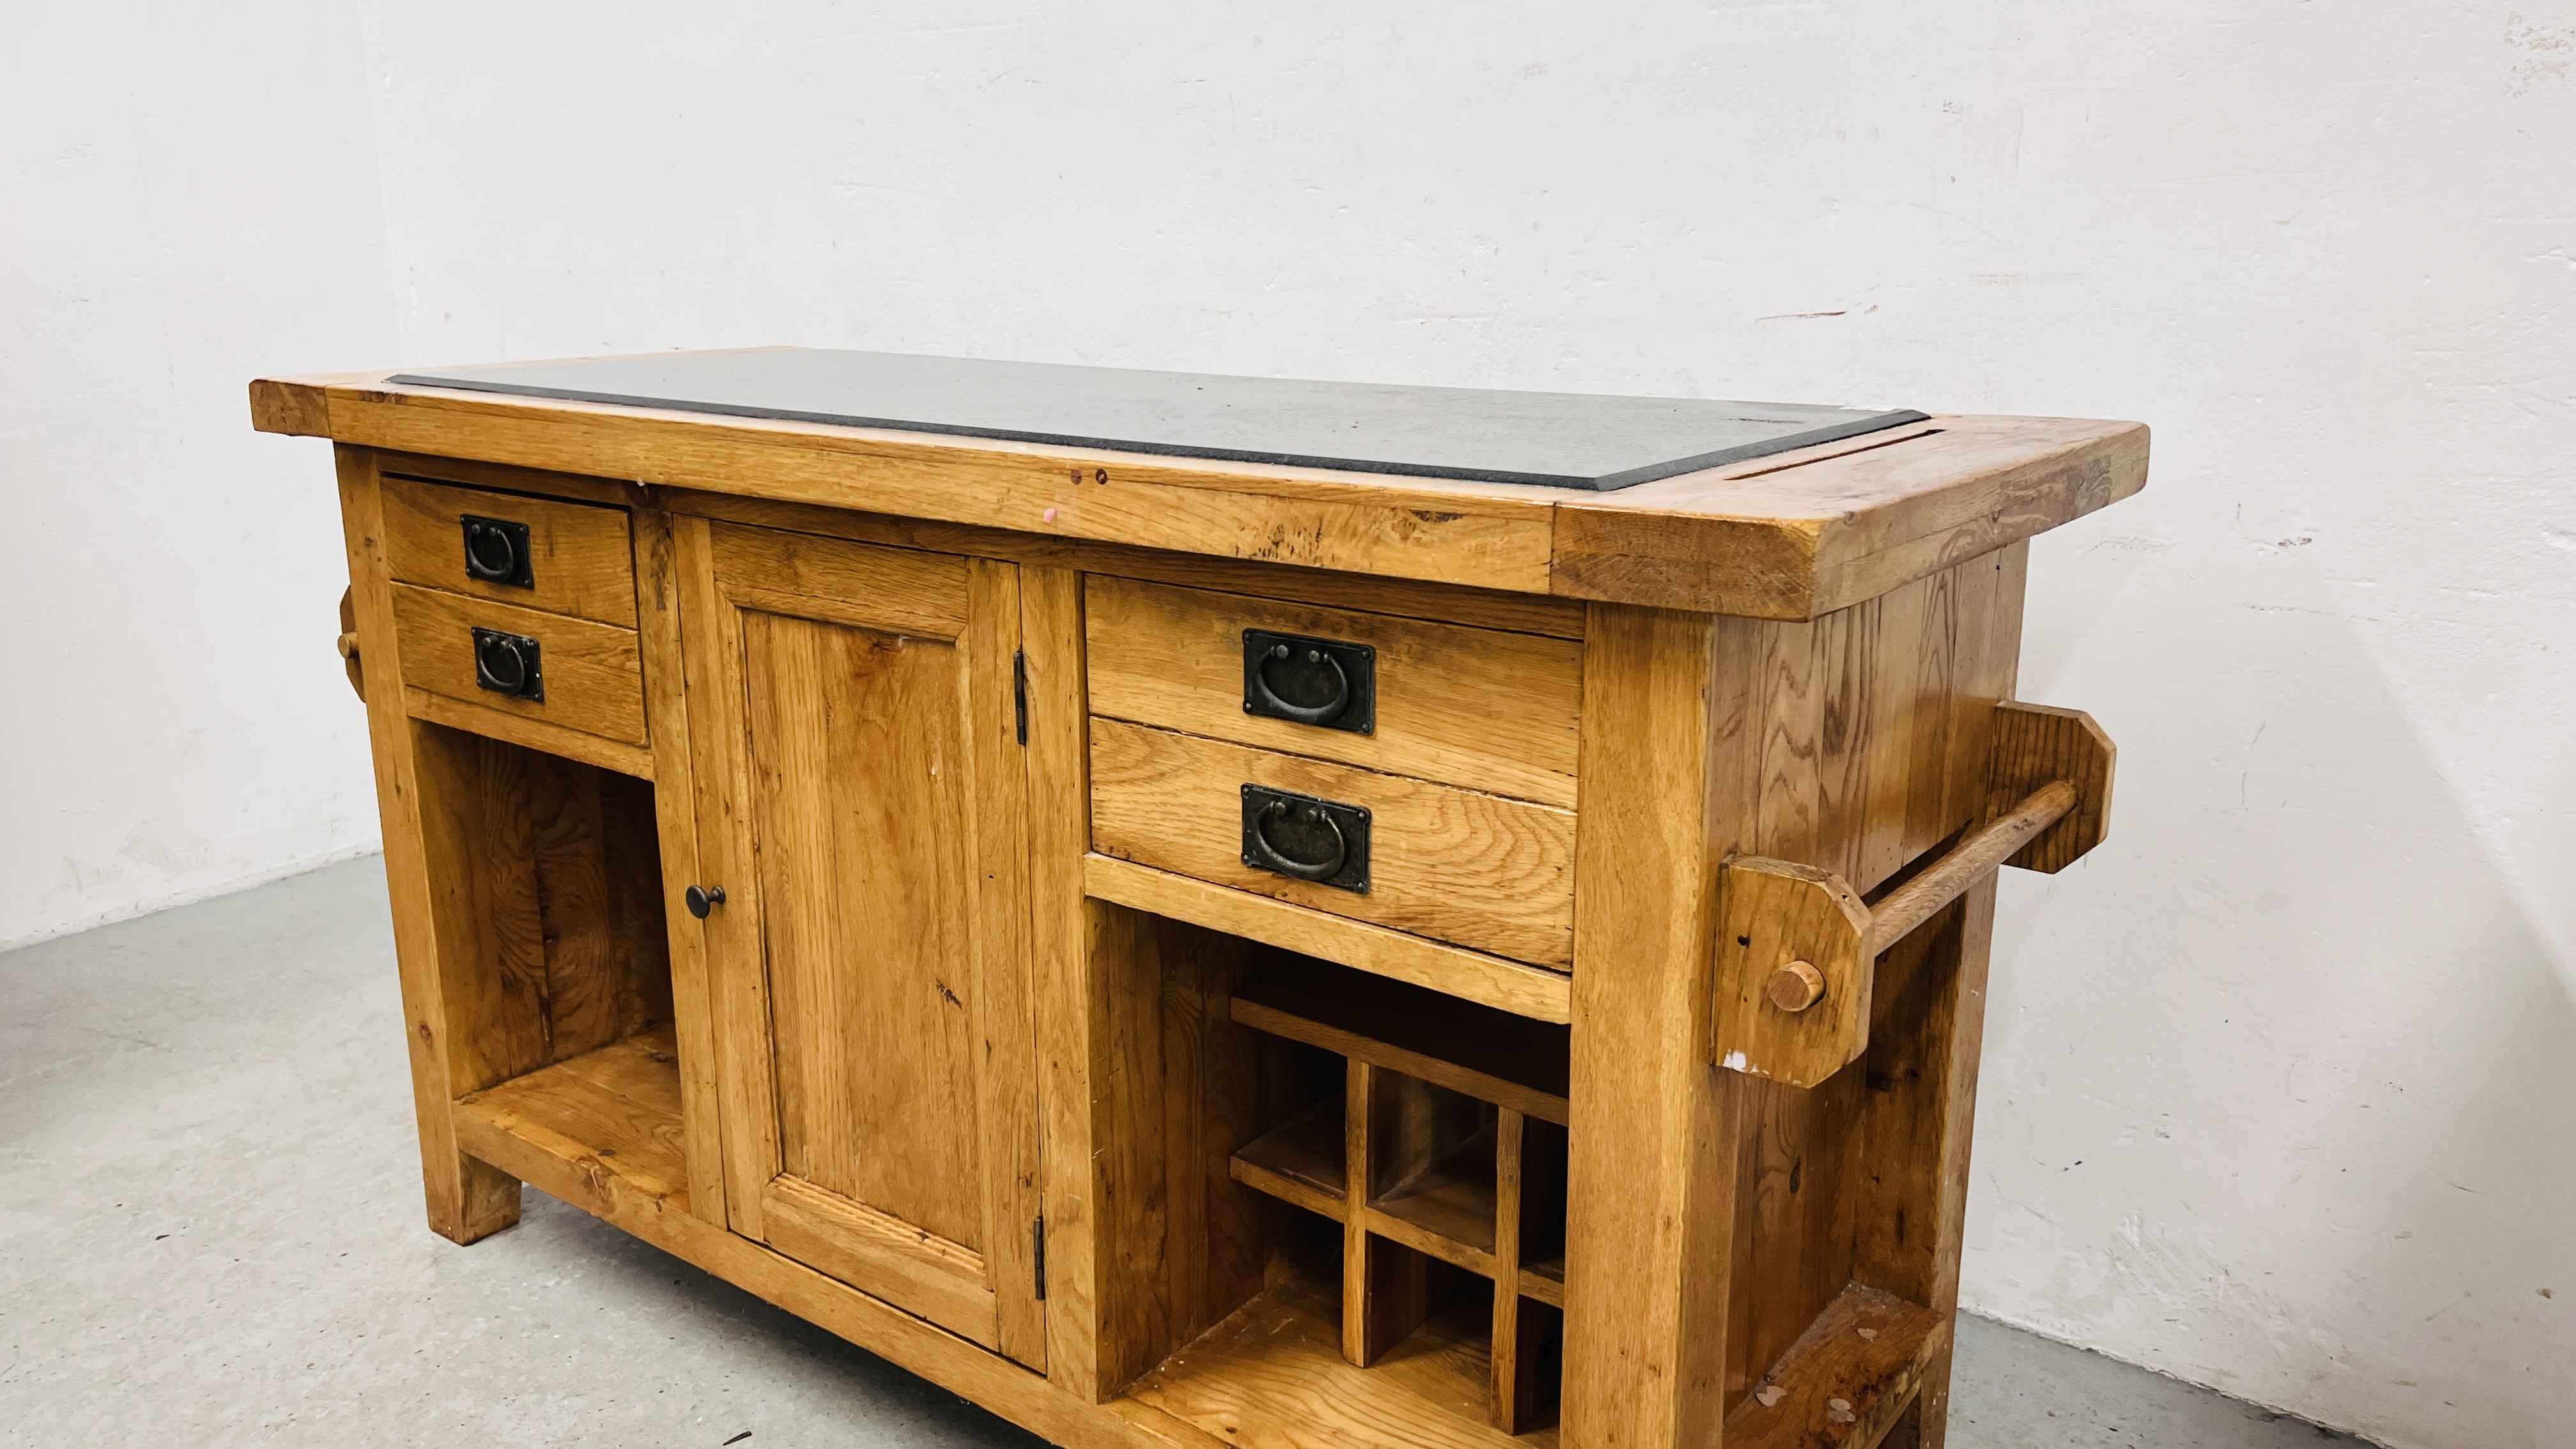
(569, 1128)
(1846, 1379)
(1272, 1376)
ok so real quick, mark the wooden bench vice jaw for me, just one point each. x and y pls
(1797, 949)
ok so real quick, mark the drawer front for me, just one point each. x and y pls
(532, 553)
(1455, 865)
(591, 675)
(1481, 708)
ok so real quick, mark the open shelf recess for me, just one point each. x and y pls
(1445, 1147)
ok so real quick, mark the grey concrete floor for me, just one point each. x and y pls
(211, 1234)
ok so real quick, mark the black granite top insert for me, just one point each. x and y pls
(1555, 439)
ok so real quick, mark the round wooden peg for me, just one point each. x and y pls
(1795, 987)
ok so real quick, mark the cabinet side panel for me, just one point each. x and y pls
(467, 1199)
(1873, 751)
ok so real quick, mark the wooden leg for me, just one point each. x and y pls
(487, 1200)
(468, 1200)
(1654, 1131)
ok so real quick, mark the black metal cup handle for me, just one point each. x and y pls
(1267, 856)
(1325, 713)
(475, 563)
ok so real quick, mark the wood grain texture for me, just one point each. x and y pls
(1455, 1044)
(898, 589)
(738, 991)
(1330, 588)
(1790, 537)
(467, 1198)
(919, 1272)
(881, 855)
(1975, 856)
(501, 477)
(1796, 538)
(1388, 1286)
(1478, 708)
(536, 1148)
(541, 735)
(548, 877)
(1774, 913)
(674, 824)
(1446, 1209)
(1180, 1242)
(1854, 741)
(296, 408)
(593, 673)
(1512, 1387)
(1272, 1376)
(1301, 1162)
(1875, 730)
(612, 1114)
(1846, 1378)
(581, 560)
(1494, 534)
(1664, 770)
(1077, 999)
(1919, 1116)
(2035, 744)
(1478, 870)
(1494, 981)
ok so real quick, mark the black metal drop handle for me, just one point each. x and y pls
(1325, 713)
(491, 554)
(702, 899)
(508, 664)
(1267, 856)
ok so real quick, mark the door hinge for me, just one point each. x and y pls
(1036, 1239)
(1020, 701)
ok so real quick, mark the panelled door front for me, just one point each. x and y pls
(863, 805)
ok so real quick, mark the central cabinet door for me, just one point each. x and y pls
(863, 804)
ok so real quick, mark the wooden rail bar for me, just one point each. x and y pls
(1797, 949)
(1919, 899)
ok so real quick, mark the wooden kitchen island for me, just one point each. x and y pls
(1204, 912)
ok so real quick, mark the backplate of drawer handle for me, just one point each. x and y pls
(496, 552)
(1320, 682)
(509, 664)
(1305, 838)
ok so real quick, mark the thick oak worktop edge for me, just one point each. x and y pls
(1790, 537)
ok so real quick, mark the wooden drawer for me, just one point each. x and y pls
(1482, 708)
(593, 674)
(1473, 869)
(579, 559)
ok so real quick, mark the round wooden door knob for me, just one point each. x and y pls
(1795, 987)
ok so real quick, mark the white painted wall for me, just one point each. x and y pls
(187, 196)
(2276, 1093)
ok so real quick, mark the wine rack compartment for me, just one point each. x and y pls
(1443, 1160)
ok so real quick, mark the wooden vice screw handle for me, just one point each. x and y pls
(349, 643)
(1795, 987)
(1796, 948)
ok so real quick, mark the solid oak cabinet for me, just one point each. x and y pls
(1205, 911)
(867, 818)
